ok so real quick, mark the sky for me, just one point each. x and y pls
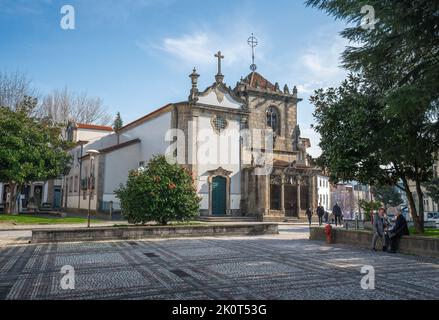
(137, 54)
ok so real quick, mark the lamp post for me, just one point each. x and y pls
(92, 154)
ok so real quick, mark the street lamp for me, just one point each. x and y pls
(92, 153)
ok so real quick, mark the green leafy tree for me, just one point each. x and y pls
(30, 149)
(389, 107)
(364, 138)
(118, 123)
(160, 192)
(387, 195)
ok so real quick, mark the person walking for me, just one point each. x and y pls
(309, 215)
(398, 230)
(336, 210)
(320, 213)
(379, 228)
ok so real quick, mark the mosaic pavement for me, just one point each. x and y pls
(271, 267)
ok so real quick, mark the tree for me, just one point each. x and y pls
(387, 195)
(118, 123)
(160, 192)
(14, 87)
(390, 104)
(62, 106)
(30, 150)
(365, 138)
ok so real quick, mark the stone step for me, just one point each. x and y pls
(228, 219)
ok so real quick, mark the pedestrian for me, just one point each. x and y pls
(336, 210)
(379, 228)
(320, 213)
(326, 217)
(398, 230)
(309, 215)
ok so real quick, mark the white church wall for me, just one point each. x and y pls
(214, 151)
(118, 164)
(212, 99)
(152, 135)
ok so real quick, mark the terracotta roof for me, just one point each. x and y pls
(93, 127)
(255, 78)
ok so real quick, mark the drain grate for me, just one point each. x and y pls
(180, 273)
(150, 255)
(133, 243)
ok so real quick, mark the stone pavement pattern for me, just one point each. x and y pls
(270, 267)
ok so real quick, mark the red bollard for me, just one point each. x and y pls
(328, 233)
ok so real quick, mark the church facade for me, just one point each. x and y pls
(242, 145)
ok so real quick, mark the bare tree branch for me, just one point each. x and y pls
(62, 106)
(14, 87)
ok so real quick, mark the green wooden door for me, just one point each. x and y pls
(219, 196)
(57, 198)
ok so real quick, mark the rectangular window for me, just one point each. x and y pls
(71, 184)
(76, 184)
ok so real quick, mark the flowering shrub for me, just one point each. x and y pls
(161, 192)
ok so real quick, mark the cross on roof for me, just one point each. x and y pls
(219, 56)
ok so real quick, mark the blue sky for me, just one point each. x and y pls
(137, 54)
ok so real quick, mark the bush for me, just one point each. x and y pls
(160, 192)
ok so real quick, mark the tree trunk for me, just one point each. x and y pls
(420, 203)
(12, 204)
(419, 226)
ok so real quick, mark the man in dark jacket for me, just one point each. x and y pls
(399, 229)
(309, 215)
(320, 213)
(336, 210)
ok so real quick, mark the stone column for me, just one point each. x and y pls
(282, 194)
(298, 197)
(313, 183)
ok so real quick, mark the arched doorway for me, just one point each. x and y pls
(219, 195)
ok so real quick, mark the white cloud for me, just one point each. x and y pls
(319, 64)
(198, 47)
(314, 137)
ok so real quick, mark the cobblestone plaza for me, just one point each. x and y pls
(284, 267)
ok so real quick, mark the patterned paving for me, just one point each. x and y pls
(275, 267)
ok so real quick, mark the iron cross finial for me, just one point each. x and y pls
(253, 42)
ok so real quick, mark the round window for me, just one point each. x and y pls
(219, 123)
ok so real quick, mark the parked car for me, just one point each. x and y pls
(432, 216)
